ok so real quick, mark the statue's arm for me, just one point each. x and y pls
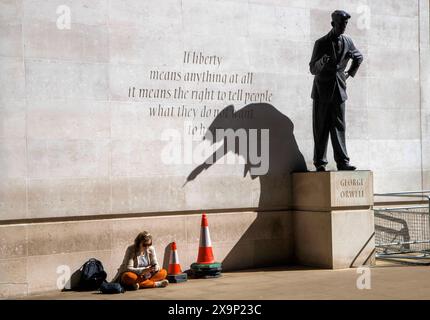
(317, 63)
(357, 59)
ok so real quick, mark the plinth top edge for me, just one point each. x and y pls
(328, 172)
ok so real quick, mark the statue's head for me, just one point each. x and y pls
(339, 21)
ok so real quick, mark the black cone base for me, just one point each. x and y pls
(177, 278)
(205, 270)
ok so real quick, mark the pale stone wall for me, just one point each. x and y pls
(73, 142)
(425, 88)
(34, 256)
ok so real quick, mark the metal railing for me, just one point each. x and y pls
(403, 232)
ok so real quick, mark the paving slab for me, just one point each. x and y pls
(387, 281)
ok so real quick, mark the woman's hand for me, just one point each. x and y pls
(145, 271)
(153, 268)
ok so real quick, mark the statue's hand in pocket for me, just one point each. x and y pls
(325, 59)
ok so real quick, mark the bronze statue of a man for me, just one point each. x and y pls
(328, 63)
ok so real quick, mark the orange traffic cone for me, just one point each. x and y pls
(174, 273)
(206, 254)
(205, 267)
(174, 266)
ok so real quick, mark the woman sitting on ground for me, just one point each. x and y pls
(140, 268)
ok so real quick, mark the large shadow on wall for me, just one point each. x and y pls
(282, 156)
(280, 153)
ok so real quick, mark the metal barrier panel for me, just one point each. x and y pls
(403, 230)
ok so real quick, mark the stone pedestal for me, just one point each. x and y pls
(333, 218)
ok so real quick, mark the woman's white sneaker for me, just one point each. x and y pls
(161, 284)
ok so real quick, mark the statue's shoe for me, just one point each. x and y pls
(346, 167)
(320, 168)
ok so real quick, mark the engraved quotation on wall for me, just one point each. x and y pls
(194, 94)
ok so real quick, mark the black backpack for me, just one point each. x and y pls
(92, 275)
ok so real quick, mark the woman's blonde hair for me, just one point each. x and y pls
(144, 237)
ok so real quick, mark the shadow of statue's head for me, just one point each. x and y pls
(253, 116)
(260, 134)
(263, 137)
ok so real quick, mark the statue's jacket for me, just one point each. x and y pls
(331, 76)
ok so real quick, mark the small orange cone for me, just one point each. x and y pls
(206, 254)
(174, 273)
(174, 266)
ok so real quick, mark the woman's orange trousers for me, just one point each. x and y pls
(130, 278)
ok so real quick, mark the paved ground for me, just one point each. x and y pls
(387, 282)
